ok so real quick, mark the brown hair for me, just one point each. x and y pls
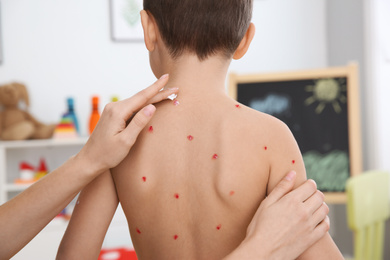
(203, 27)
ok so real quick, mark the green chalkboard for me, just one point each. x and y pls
(319, 107)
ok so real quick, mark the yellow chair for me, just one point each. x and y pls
(368, 207)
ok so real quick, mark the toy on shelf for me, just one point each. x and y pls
(27, 174)
(17, 123)
(65, 129)
(95, 115)
(42, 170)
(117, 254)
(64, 215)
(71, 113)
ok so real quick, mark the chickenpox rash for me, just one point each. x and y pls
(144, 179)
(176, 102)
(175, 237)
(231, 193)
(219, 227)
(150, 129)
(190, 137)
(215, 156)
(176, 195)
(293, 161)
(265, 148)
(138, 231)
(238, 106)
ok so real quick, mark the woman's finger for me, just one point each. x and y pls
(283, 187)
(133, 104)
(315, 201)
(163, 94)
(138, 123)
(305, 191)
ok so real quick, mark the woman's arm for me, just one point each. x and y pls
(28, 213)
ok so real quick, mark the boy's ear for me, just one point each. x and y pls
(245, 42)
(149, 27)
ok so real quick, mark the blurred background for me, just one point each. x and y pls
(62, 49)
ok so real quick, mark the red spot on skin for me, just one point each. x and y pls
(176, 195)
(215, 156)
(151, 129)
(144, 179)
(265, 147)
(293, 161)
(190, 137)
(231, 193)
(237, 106)
(219, 227)
(176, 102)
(175, 237)
(138, 231)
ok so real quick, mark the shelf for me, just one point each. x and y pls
(11, 152)
(16, 187)
(43, 143)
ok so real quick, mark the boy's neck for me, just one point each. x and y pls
(197, 78)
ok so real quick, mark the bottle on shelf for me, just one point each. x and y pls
(95, 115)
(71, 114)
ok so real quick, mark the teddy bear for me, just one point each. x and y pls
(17, 123)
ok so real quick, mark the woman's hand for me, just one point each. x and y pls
(286, 224)
(119, 126)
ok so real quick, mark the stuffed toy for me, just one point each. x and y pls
(16, 123)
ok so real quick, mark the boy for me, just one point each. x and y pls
(214, 160)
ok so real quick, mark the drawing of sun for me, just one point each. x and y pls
(327, 92)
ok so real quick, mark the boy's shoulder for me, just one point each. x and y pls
(267, 130)
(264, 123)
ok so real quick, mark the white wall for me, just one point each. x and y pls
(378, 88)
(63, 48)
(286, 39)
(378, 73)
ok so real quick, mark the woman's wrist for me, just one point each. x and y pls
(88, 167)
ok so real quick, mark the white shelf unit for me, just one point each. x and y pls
(53, 151)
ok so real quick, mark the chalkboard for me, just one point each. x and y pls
(321, 109)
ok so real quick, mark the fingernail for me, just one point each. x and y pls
(149, 110)
(290, 175)
(164, 76)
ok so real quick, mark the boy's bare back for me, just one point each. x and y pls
(195, 178)
(196, 175)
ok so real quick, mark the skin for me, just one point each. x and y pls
(183, 209)
(27, 214)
